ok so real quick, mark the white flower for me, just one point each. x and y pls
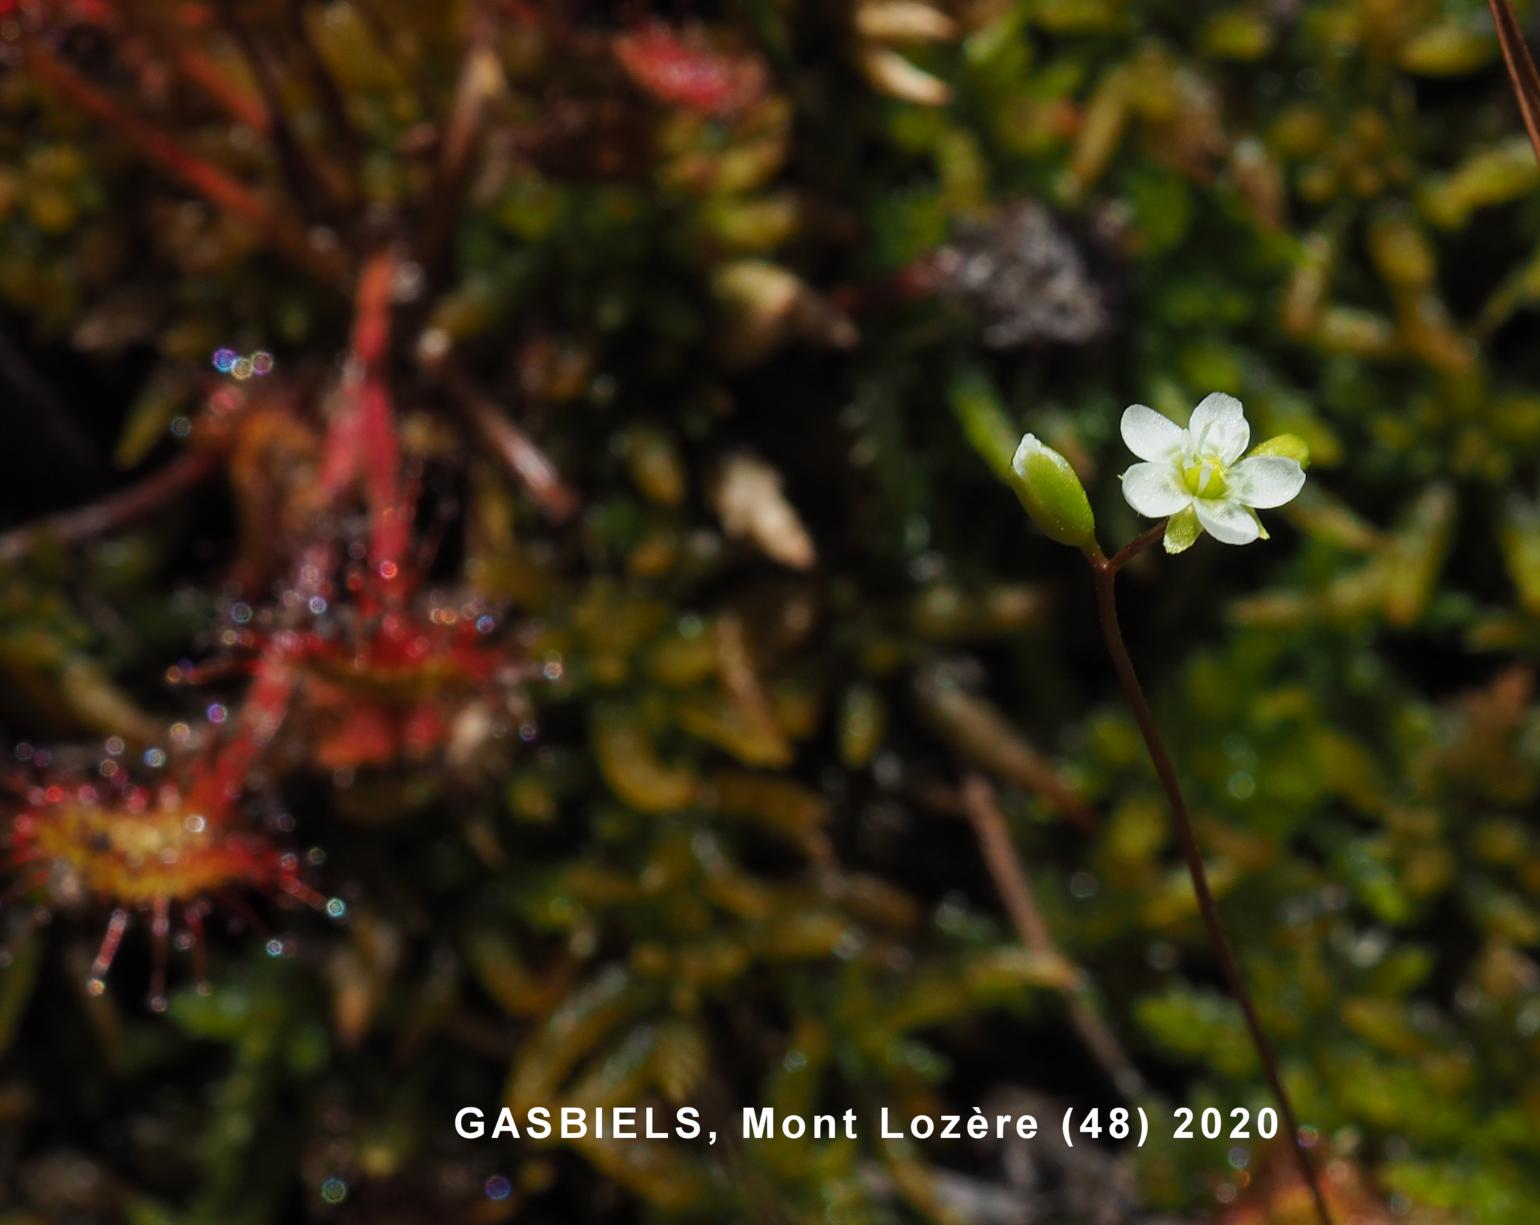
(1196, 477)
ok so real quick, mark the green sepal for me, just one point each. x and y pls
(1182, 530)
(1289, 446)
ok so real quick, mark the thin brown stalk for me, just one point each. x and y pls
(1135, 547)
(114, 512)
(1015, 888)
(518, 452)
(982, 734)
(479, 81)
(1521, 68)
(1105, 572)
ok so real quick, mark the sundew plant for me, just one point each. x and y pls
(515, 597)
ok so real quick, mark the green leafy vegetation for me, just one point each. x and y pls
(567, 674)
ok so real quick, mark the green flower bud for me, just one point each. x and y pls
(1290, 446)
(1052, 494)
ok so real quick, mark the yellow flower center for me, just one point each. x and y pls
(1204, 477)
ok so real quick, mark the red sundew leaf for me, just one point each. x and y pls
(117, 510)
(371, 310)
(214, 783)
(679, 71)
(382, 463)
(75, 845)
(362, 444)
(94, 837)
(362, 449)
(354, 734)
(339, 457)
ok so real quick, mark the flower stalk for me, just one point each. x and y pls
(1521, 67)
(1105, 572)
(1197, 480)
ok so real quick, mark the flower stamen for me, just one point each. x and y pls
(1205, 477)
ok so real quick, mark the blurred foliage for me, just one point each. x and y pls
(707, 333)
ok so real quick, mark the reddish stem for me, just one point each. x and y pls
(116, 511)
(1135, 547)
(1105, 573)
(1521, 68)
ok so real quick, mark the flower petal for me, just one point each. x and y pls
(1155, 490)
(1149, 435)
(1227, 521)
(1218, 426)
(1266, 480)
